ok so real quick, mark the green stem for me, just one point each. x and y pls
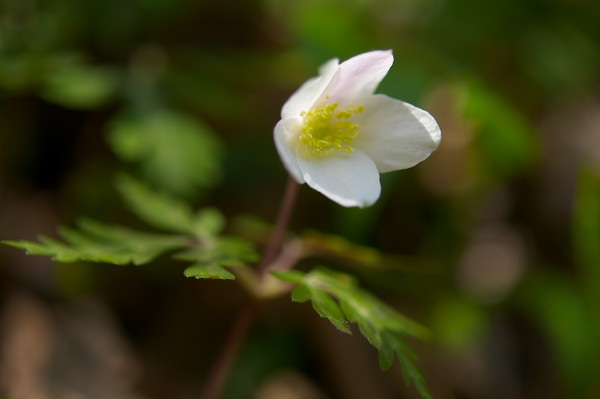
(221, 369)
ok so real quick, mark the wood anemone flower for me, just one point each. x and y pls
(336, 135)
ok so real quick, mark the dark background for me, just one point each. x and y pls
(494, 239)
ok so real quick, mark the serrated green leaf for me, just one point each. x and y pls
(211, 258)
(370, 332)
(46, 247)
(363, 304)
(208, 271)
(139, 247)
(301, 294)
(98, 242)
(338, 298)
(392, 343)
(351, 313)
(328, 308)
(386, 357)
(199, 244)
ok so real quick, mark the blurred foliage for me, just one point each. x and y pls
(79, 86)
(174, 151)
(567, 306)
(495, 237)
(506, 141)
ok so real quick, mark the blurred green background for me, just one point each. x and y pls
(494, 240)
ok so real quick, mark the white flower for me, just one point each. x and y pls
(336, 135)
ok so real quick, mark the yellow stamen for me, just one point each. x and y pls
(325, 131)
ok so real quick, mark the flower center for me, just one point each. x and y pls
(326, 130)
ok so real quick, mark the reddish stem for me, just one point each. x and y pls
(241, 327)
(220, 371)
(278, 233)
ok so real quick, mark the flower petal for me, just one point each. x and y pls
(395, 134)
(360, 75)
(350, 179)
(287, 151)
(304, 98)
